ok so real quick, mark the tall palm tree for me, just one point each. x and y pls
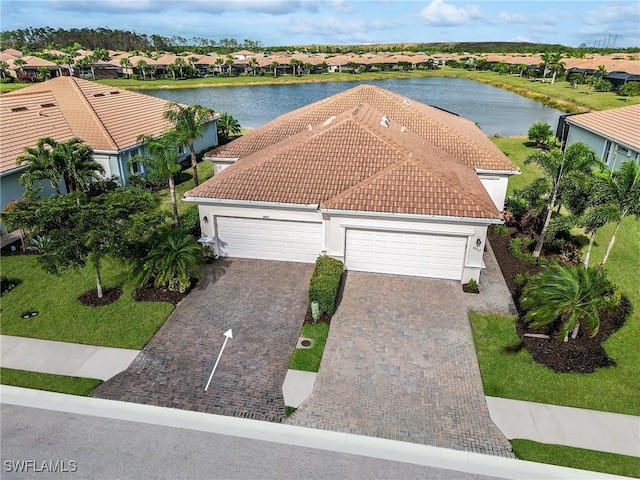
(125, 63)
(175, 258)
(190, 123)
(41, 165)
(253, 65)
(601, 72)
(547, 58)
(4, 69)
(621, 192)
(556, 166)
(572, 295)
(274, 68)
(594, 218)
(556, 64)
(78, 167)
(227, 126)
(143, 66)
(162, 159)
(219, 62)
(19, 63)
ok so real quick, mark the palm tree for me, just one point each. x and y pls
(190, 122)
(547, 58)
(556, 166)
(143, 66)
(125, 63)
(555, 64)
(572, 295)
(594, 218)
(274, 68)
(41, 165)
(4, 69)
(78, 167)
(174, 259)
(601, 72)
(162, 160)
(97, 55)
(227, 126)
(219, 62)
(179, 64)
(621, 192)
(229, 63)
(253, 65)
(19, 63)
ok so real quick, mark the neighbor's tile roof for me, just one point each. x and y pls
(453, 134)
(620, 124)
(353, 162)
(104, 117)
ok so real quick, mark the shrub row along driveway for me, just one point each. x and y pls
(264, 303)
(400, 364)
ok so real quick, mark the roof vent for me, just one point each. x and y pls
(115, 92)
(98, 94)
(407, 101)
(384, 121)
(18, 109)
(403, 129)
(309, 127)
(47, 105)
(329, 120)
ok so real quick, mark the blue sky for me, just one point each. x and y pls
(302, 22)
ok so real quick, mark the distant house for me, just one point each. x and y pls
(108, 119)
(614, 135)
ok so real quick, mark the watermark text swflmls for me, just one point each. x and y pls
(38, 466)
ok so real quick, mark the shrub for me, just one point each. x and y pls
(539, 133)
(515, 247)
(472, 286)
(630, 89)
(190, 221)
(325, 283)
(501, 230)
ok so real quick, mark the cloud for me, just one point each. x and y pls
(337, 29)
(448, 15)
(512, 17)
(613, 12)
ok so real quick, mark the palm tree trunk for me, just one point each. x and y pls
(587, 255)
(174, 200)
(609, 247)
(553, 79)
(96, 265)
(194, 166)
(538, 248)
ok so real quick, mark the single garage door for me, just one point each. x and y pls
(401, 253)
(269, 239)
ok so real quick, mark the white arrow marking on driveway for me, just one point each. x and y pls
(228, 334)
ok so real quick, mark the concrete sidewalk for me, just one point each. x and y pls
(573, 427)
(62, 358)
(426, 455)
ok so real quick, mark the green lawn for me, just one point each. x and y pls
(125, 323)
(309, 359)
(46, 381)
(577, 458)
(518, 149)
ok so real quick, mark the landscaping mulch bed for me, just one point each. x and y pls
(324, 317)
(91, 299)
(152, 294)
(583, 354)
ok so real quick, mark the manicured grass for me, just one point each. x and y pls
(46, 381)
(577, 458)
(185, 179)
(518, 376)
(124, 323)
(518, 149)
(309, 359)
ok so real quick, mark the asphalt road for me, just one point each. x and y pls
(86, 447)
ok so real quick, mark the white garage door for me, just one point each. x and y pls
(269, 239)
(416, 254)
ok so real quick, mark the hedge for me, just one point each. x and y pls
(325, 283)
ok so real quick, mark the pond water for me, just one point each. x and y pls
(496, 111)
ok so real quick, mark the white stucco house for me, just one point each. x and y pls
(108, 119)
(614, 135)
(382, 182)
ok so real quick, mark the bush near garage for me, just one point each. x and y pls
(325, 283)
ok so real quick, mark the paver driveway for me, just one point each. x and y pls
(264, 303)
(400, 363)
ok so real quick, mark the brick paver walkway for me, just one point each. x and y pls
(400, 364)
(264, 303)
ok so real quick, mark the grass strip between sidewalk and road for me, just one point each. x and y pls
(49, 382)
(577, 458)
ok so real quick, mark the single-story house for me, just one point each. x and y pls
(108, 119)
(382, 182)
(614, 135)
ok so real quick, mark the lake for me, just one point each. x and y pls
(496, 111)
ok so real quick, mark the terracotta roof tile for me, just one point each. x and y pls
(621, 124)
(451, 133)
(355, 162)
(105, 118)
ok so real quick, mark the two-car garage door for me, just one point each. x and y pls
(402, 253)
(269, 239)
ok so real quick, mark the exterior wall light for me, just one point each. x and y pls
(205, 219)
(478, 242)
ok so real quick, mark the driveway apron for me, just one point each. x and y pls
(400, 364)
(264, 304)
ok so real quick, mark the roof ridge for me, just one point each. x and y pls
(93, 113)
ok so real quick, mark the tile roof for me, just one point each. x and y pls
(105, 118)
(620, 124)
(455, 135)
(355, 162)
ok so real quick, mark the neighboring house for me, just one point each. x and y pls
(614, 135)
(108, 119)
(382, 182)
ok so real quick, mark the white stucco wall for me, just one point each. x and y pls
(335, 227)
(496, 187)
